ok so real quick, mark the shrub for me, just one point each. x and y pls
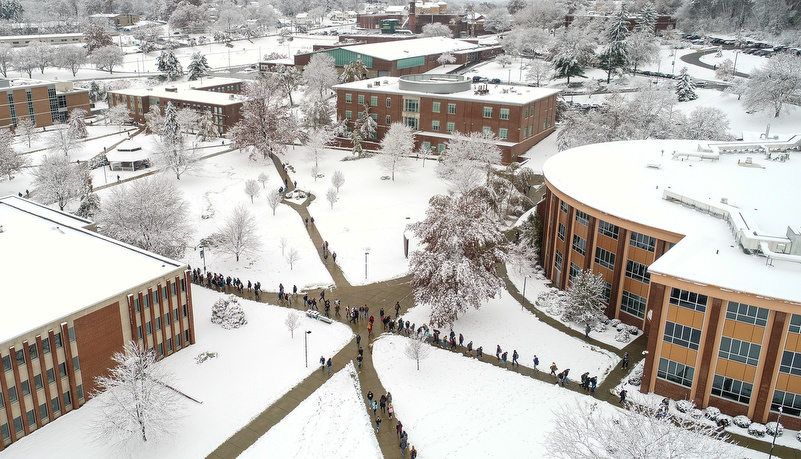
(798, 436)
(203, 356)
(623, 336)
(741, 421)
(634, 330)
(756, 429)
(227, 313)
(711, 413)
(684, 406)
(723, 420)
(774, 429)
(614, 323)
(696, 413)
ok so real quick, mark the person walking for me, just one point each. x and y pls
(375, 406)
(498, 352)
(390, 410)
(369, 398)
(587, 330)
(625, 363)
(322, 363)
(503, 359)
(399, 428)
(334, 257)
(359, 361)
(553, 368)
(461, 340)
(413, 453)
(358, 341)
(536, 362)
(397, 308)
(593, 384)
(377, 422)
(515, 356)
(329, 366)
(470, 348)
(403, 448)
(622, 397)
(383, 403)
(480, 352)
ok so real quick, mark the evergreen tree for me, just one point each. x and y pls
(615, 55)
(198, 67)
(354, 71)
(584, 298)
(685, 88)
(168, 63)
(207, 130)
(77, 124)
(647, 20)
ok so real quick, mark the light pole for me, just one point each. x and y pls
(203, 256)
(522, 305)
(775, 431)
(365, 264)
(306, 346)
(734, 70)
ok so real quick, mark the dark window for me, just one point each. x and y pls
(51, 375)
(76, 364)
(788, 401)
(186, 336)
(37, 381)
(158, 323)
(687, 299)
(739, 351)
(637, 271)
(608, 229)
(55, 405)
(149, 328)
(71, 332)
(26, 388)
(62, 369)
(748, 314)
(166, 319)
(791, 363)
(558, 261)
(560, 231)
(642, 241)
(633, 304)
(18, 424)
(67, 399)
(20, 357)
(5, 431)
(604, 258)
(563, 206)
(574, 271)
(732, 389)
(136, 305)
(57, 338)
(7, 363)
(161, 349)
(31, 418)
(46, 345)
(34, 351)
(675, 372)
(169, 344)
(579, 244)
(175, 314)
(43, 410)
(79, 389)
(12, 394)
(139, 332)
(682, 335)
(582, 218)
(185, 311)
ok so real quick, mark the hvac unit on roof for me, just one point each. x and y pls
(386, 81)
(369, 85)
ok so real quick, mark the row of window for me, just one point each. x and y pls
(55, 405)
(642, 241)
(682, 335)
(633, 304)
(34, 351)
(154, 298)
(732, 389)
(38, 382)
(743, 352)
(604, 258)
(638, 272)
(675, 372)
(687, 299)
(579, 244)
(413, 105)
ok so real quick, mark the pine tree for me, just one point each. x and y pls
(615, 54)
(207, 130)
(77, 124)
(354, 71)
(685, 88)
(584, 298)
(647, 20)
(198, 67)
(168, 63)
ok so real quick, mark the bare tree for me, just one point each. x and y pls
(292, 257)
(239, 235)
(315, 171)
(24, 61)
(252, 189)
(6, 58)
(320, 74)
(316, 143)
(150, 213)
(774, 86)
(177, 156)
(331, 196)
(266, 122)
(61, 140)
(27, 129)
(338, 179)
(397, 144)
(188, 119)
(58, 179)
(263, 179)
(274, 200)
(118, 114)
(70, 58)
(135, 399)
(292, 322)
(11, 162)
(417, 349)
(107, 57)
(283, 243)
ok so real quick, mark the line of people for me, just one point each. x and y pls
(385, 404)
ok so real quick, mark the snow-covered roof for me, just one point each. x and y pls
(630, 180)
(414, 47)
(54, 267)
(189, 91)
(497, 93)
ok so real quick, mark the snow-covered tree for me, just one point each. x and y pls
(206, 130)
(11, 162)
(61, 141)
(288, 77)
(107, 57)
(456, 268)
(154, 120)
(89, 206)
(446, 58)
(70, 58)
(725, 70)
(149, 213)
(642, 49)
(316, 142)
(317, 112)
(315, 171)
(147, 36)
(320, 75)
(615, 54)
(24, 61)
(774, 86)
(353, 71)
(274, 200)
(292, 322)
(704, 123)
(685, 87)
(252, 189)
(96, 37)
(356, 138)
(239, 235)
(436, 29)
(188, 16)
(266, 122)
(396, 146)
(574, 51)
(366, 125)
(58, 179)
(172, 150)
(198, 67)
(504, 60)
(497, 20)
(227, 313)
(6, 58)
(263, 179)
(646, 22)
(331, 196)
(27, 129)
(515, 5)
(169, 65)
(188, 119)
(542, 15)
(118, 115)
(338, 179)
(585, 431)
(292, 257)
(538, 71)
(416, 349)
(283, 243)
(585, 298)
(77, 124)
(476, 150)
(135, 400)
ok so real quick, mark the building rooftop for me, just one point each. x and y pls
(189, 91)
(55, 267)
(414, 47)
(492, 93)
(711, 193)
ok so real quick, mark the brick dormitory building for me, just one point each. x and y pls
(44, 102)
(699, 245)
(73, 299)
(435, 106)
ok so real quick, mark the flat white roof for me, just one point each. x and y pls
(413, 47)
(189, 91)
(498, 93)
(53, 267)
(628, 179)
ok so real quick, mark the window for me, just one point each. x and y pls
(147, 300)
(451, 109)
(486, 130)
(526, 112)
(51, 375)
(487, 112)
(574, 271)
(186, 336)
(57, 338)
(373, 101)
(579, 244)
(62, 369)
(26, 388)
(426, 146)
(504, 114)
(642, 241)
(389, 102)
(169, 344)
(560, 231)
(12, 394)
(788, 401)
(43, 410)
(740, 351)
(5, 431)
(18, 424)
(435, 125)
(173, 290)
(435, 107)
(388, 120)
(791, 363)
(607, 229)
(795, 323)
(149, 328)
(410, 121)
(161, 349)
(2, 400)
(688, 299)
(732, 389)
(164, 292)
(175, 315)
(637, 271)
(748, 314)
(503, 133)
(158, 323)
(34, 351)
(184, 309)
(37, 381)
(55, 405)
(139, 332)
(348, 98)
(360, 99)
(675, 372)
(604, 258)
(607, 293)
(348, 115)
(633, 304)
(20, 357)
(563, 207)
(79, 389)
(411, 105)
(6, 363)
(31, 418)
(582, 218)
(155, 296)
(682, 335)
(71, 331)
(558, 261)
(450, 127)
(136, 305)
(76, 365)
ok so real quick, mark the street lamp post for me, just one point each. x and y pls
(306, 346)
(736, 55)
(365, 264)
(775, 432)
(203, 256)
(523, 304)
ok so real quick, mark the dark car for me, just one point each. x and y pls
(495, 81)
(476, 79)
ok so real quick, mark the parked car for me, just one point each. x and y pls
(495, 81)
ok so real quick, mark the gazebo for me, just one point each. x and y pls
(128, 156)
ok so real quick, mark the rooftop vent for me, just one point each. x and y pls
(171, 89)
(386, 81)
(377, 83)
(369, 85)
(230, 97)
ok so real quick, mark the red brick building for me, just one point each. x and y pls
(45, 102)
(66, 315)
(438, 105)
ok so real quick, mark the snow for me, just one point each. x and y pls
(414, 47)
(255, 366)
(333, 418)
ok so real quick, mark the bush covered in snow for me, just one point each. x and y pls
(551, 302)
(723, 420)
(635, 377)
(711, 413)
(623, 336)
(203, 356)
(798, 436)
(599, 327)
(756, 429)
(695, 413)
(741, 421)
(634, 330)
(685, 406)
(774, 429)
(614, 323)
(228, 313)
